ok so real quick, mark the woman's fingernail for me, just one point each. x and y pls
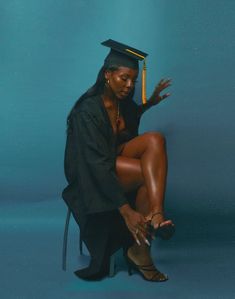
(138, 242)
(147, 242)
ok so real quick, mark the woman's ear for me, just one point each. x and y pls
(107, 75)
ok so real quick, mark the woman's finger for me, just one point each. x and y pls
(167, 81)
(143, 237)
(165, 95)
(163, 86)
(145, 233)
(141, 229)
(144, 229)
(160, 98)
(164, 83)
(135, 235)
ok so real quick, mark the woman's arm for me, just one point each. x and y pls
(155, 98)
(98, 157)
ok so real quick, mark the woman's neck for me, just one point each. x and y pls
(109, 98)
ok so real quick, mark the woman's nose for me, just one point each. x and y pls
(129, 83)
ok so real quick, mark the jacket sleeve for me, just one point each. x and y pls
(98, 156)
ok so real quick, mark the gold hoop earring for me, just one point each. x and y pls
(107, 83)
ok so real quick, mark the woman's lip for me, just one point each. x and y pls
(125, 93)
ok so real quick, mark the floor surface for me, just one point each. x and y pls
(199, 259)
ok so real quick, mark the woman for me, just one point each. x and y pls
(116, 178)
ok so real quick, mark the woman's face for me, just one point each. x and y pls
(121, 81)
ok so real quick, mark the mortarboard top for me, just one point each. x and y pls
(123, 55)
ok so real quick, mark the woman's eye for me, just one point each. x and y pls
(126, 78)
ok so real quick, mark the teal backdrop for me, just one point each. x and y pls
(50, 53)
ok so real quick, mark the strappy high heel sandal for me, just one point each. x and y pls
(165, 232)
(156, 277)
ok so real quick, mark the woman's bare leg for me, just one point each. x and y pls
(142, 166)
(141, 254)
(143, 163)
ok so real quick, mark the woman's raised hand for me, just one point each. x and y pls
(156, 97)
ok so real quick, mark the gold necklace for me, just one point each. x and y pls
(118, 114)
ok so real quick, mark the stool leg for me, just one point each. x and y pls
(80, 245)
(112, 266)
(65, 241)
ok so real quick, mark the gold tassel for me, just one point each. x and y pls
(144, 98)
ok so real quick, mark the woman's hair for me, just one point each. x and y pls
(96, 89)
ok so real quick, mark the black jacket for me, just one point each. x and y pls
(93, 193)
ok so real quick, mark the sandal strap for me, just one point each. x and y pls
(146, 267)
(154, 214)
(154, 269)
(157, 213)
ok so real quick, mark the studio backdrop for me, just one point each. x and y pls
(50, 54)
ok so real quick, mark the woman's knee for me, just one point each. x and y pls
(155, 139)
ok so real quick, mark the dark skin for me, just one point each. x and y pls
(141, 164)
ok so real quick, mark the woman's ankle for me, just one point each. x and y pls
(139, 249)
(140, 256)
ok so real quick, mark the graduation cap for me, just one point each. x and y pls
(123, 55)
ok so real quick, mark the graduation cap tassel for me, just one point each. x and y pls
(144, 98)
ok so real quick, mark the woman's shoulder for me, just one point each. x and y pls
(89, 109)
(88, 105)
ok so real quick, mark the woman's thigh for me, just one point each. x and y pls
(129, 173)
(128, 164)
(135, 147)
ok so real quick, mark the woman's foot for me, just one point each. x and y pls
(138, 257)
(161, 227)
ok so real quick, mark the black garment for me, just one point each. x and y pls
(93, 193)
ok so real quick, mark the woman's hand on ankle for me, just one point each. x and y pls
(136, 223)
